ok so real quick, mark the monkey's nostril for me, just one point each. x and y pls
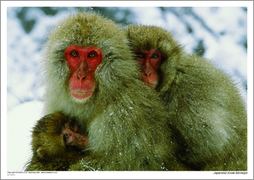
(147, 74)
(81, 77)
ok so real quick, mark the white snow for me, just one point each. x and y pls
(20, 121)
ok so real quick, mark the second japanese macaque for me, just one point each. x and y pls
(204, 106)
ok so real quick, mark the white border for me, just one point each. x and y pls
(119, 175)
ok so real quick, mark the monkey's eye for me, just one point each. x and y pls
(72, 124)
(139, 55)
(74, 53)
(155, 55)
(92, 54)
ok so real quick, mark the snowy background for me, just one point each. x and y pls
(216, 33)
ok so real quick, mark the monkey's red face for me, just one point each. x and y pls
(150, 62)
(83, 62)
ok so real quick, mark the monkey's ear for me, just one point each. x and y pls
(41, 152)
(49, 146)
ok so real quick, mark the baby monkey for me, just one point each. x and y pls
(72, 136)
(57, 143)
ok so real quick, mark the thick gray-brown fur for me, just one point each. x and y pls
(124, 120)
(204, 106)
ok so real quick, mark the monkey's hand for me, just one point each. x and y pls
(56, 136)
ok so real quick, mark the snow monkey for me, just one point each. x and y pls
(92, 79)
(56, 143)
(204, 107)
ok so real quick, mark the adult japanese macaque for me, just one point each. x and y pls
(204, 106)
(91, 77)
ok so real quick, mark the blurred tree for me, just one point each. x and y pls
(49, 10)
(27, 23)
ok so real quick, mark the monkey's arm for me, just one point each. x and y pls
(49, 148)
(210, 116)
